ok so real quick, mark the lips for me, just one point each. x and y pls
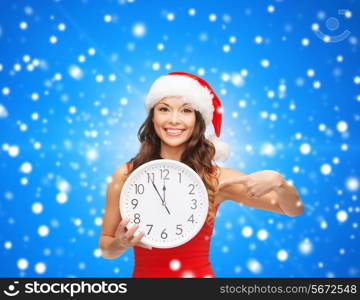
(174, 131)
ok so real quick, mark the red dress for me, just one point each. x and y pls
(188, 260)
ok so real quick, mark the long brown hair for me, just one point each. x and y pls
(198, 154)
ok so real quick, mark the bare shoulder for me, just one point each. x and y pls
(121, 171)
(119, 175)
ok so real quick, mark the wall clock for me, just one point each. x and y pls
(167, 199)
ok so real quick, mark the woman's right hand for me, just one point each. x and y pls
(125, 237)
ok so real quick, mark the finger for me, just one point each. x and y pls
(256, 192)
(260, 194)
(136, 240)
(121, 227)
(140, 244)
(251, 194)
(251, 184)
(129, 234)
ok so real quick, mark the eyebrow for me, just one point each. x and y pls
(169, 105)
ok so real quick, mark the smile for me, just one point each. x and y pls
(174, 132)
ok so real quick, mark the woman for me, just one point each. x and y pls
(180, 105)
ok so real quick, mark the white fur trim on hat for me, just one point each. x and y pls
(222, 152)
(178, 85)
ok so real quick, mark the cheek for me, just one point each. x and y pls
(191, 123)
(158, 121)
(157, 128)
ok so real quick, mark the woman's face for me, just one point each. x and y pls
(174, 120)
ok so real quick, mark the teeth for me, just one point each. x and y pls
(173, 131)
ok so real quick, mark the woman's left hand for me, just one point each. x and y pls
(257, 183)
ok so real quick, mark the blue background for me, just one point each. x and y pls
(70, 111)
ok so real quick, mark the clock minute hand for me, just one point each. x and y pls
(167, 208)
(164, 189)
(163, 202)
(157, 191)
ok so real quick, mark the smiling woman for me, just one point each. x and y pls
(180, 106)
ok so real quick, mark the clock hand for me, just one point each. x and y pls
(163, 202)
(166, 208)
(164, 189)
(157, 191)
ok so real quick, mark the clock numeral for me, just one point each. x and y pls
(191, 219)
(152, 175)
(178, 227)
(151, 226)
(137, 218)
(194, 203)
(164, 235)
(192, 190)
(179, 177)
(139, 188)
(167, 174)
(134, 202)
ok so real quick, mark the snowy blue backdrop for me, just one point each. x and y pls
(73, 76)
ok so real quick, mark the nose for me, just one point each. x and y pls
(174, 117)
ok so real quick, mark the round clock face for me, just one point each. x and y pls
(167, 199)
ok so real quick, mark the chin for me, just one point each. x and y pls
(175, 142)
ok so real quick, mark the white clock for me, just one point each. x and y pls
(167, 199)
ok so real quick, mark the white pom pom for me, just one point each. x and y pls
(222, 152)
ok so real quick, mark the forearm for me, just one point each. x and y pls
(289, 200)
(110, 247)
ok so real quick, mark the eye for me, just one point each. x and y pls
(162, 109)
(187, 110)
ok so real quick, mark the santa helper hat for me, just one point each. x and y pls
(200, 95)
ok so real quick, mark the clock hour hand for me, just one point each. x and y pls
(163, 202)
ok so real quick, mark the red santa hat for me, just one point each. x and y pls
(200, 95)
